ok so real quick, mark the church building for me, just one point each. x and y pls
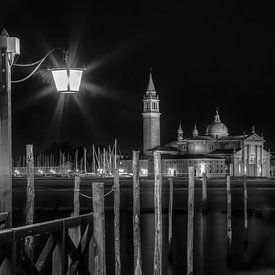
(216, 152)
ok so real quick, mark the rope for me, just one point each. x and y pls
(86, 196)
(105, 195)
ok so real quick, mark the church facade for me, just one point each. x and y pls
(216, 152)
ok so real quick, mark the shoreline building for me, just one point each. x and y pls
(215, 152)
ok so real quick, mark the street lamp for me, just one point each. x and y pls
(67, 80)
(68, 83)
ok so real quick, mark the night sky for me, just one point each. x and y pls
(202, 56)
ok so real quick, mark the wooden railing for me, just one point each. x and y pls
(4, 219)
(54, 250)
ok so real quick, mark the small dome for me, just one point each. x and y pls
(217, 129)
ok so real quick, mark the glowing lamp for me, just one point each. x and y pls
(67, 80)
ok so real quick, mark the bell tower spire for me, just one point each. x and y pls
(151, 117)
(195, 131)
(180, 134)
(217, 116)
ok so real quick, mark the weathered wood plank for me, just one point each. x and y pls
(45, 253)
(5, 267)
(57, 267)
(136, 215)
(26, 262)
(13, 256)
(190, 221)
(78, 255)
(74, 232)
(91, 252)
(117, 222)
(99, 227)
(29, 240)
(50, 226)
(158, 214)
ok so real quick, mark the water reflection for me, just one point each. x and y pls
(258, 257)
(209, 245)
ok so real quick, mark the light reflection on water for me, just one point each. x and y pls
(209, 245)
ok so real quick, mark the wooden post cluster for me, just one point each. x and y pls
(136, 215)
(158, 214)
(228, 217)
(190, 221)
(117, 222)
(29, 241)
(245, 210)
(99, 228)
(204, 194)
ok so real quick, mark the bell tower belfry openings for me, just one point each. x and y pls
(151, 118)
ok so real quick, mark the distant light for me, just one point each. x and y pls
(171, 171)
(67, 81)
(202, 168)
(120, 170)
(52, 171)
(100, 170)
(144, 172)
(17, 172)
(40, 172)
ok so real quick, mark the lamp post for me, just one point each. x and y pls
(9, 47)
(68, 82)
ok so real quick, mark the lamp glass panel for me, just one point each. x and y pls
(60, 79)
(75, 79)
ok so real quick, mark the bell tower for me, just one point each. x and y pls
(151, 115)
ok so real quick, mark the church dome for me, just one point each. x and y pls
(217, 129)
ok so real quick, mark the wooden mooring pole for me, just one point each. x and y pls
(170, 218)
(85, 159)
(117, 222)
(74, 232)
(190, 221)
(136, 215)
(29, 241)
(228, 218)
(245, 210)
(158, 214)
(99, 228)
(204, 194)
